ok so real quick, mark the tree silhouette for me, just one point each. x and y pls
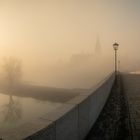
(12, 72)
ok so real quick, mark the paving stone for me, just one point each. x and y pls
(132, 89)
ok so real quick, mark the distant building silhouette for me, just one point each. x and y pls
(81, 57)
(87, 56)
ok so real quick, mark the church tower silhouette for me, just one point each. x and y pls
(98, 46)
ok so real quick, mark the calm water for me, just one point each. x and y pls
(15, 110)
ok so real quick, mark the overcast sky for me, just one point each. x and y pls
(41, 32)
(56, 28)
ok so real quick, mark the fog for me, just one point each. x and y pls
(68, 43)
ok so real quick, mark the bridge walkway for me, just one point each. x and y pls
(131, 87)
(114, 121)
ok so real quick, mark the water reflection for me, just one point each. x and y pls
(12, 111)
(15, 111)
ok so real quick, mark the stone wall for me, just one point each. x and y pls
(72, 121)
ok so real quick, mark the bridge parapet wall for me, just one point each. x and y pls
(73, 120)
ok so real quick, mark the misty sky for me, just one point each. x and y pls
(42, 32)
(54, 28)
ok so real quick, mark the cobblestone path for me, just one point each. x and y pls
(113, 122)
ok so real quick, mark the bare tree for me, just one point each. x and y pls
(12, 71)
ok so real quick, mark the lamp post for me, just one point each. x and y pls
(115, 46)
(119, 65)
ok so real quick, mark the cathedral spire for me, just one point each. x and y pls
(98, 45)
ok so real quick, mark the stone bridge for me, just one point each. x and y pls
(111, 111)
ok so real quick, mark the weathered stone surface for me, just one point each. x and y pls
(110, 124)
(132, 91)
(67, 126)
(83, 118)
(59, 112)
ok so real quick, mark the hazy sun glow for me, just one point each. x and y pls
(48, 32)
